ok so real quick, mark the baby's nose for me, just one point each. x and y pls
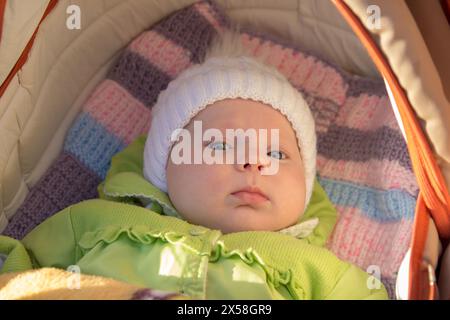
(252, 160)
(257, 165)
(250, 167)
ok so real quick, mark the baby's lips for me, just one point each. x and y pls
(251, 194)
(250, 197)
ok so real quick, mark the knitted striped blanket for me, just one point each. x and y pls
(363, 163)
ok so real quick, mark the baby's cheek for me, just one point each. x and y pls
(292, 193)
(201, 180)
(185, 189)
(217, 172)
(213, 178)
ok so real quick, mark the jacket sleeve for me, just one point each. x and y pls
(14, 256)
(355, 284)
(52, 243)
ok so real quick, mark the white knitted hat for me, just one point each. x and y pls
(216, 79)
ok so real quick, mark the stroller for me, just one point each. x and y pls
(50, 62)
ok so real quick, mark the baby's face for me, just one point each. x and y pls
(238, 197)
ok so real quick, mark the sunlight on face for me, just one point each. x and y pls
(238, 197)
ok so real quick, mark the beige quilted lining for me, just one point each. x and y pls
(20, 20)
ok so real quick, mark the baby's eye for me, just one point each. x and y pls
(219, 146)
(277, 154)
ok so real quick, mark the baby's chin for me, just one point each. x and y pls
(246, 218)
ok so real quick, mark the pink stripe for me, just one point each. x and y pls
(161, 52)
(305, 72)
(251, 43)
(276, 55)
(118, 111)
(333, 87)
(365, 242)
(208, 13)
(379, 174)
(315, 78)
(319, 79)
(367, 113)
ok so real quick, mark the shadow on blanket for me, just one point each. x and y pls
(57, 284)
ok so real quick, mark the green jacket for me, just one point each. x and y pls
(118, 237)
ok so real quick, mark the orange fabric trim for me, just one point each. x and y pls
(418, 273)
(2, 16)
(434, 196)
(434, 293)
(24, 56)
(446, 7)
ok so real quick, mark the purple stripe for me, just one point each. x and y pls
(390, 284)
(190, 30)
(342, 143)
(66, 182)
(143, 80)
(359, 85)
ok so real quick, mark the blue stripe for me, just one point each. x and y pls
(381, 205)
(92, 144)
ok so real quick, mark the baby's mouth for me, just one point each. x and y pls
(250, 195)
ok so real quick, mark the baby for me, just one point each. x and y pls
(231, 153)
(267, 186)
